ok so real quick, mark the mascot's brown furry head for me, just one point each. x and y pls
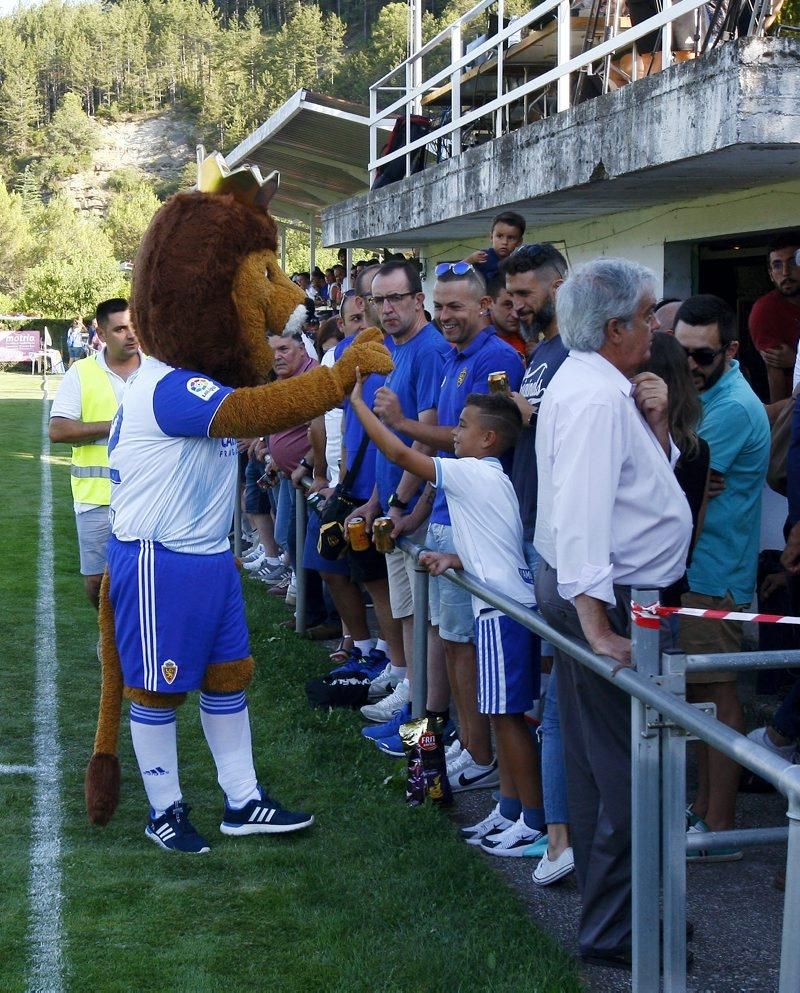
(198, 243)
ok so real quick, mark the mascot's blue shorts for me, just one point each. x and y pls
(174, 614)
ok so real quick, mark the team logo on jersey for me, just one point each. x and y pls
(202, 388)
(461, 377)
(525, 575)
(169, 670)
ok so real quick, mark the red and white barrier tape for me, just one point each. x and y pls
(648, 617)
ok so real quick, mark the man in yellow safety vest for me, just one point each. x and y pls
(81, 415)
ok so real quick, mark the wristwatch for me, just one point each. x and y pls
(305, 465)
(395, 501)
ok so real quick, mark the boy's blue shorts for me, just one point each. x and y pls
(508, 664)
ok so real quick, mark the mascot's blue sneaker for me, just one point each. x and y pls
(263, 816)
(174, 832)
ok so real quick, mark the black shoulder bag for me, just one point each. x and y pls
(332, 541)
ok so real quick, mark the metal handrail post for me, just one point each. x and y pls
(299, 574)
(237, 512)
(673, 831)
(645, 807)
(790, 945)
(419, 689)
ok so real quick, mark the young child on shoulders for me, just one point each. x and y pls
(508, 230)
(487, 533)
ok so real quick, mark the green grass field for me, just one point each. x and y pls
(375, 897)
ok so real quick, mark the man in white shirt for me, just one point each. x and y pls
(81, 415)
(611, 516)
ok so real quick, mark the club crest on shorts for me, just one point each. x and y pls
(169, 670)
(202, 388)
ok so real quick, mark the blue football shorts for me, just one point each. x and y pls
(508, 664)
(174, 614)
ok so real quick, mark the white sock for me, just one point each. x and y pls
(226, 725)
(273, 561)
(399, 671)
(365, 647)
(383, 646)
(155, 742)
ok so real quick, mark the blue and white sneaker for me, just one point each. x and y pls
(377, 731)
(174, 832)
(354, 662)
(391, 745)
(263, 816)
(370, 665)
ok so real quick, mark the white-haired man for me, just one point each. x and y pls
(611, 516)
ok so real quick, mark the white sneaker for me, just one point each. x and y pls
(760, 737)
(471, 776)
(492, 824)
(546, 872)
(512, 842)
(452, 751)
(457, 760)
(255, 563)
(253, 553)
(382, 685)
(385, 709)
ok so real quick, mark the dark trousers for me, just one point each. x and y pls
(596, 736)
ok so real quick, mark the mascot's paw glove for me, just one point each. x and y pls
(368, 353)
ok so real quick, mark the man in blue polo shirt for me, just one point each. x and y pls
(461, 303)
(418, 356)
(722, 575)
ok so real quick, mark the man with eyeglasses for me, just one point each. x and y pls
(775, 318)
(722, 574)
(418, 354)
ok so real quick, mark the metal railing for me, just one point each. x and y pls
(407, 78)
(660, 721)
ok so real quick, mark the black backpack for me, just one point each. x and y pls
(338, 689)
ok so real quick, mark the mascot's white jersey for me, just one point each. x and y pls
(170, 482)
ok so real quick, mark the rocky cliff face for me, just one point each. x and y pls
(159, 145)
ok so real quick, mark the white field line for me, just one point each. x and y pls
(16, 770)
(45, 925)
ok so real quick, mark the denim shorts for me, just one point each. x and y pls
(450, 605)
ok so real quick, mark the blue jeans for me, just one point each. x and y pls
(554, 777)
(284, 514)
(787, 717)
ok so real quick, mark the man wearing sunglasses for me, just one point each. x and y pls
(722, 575)
(775, 318)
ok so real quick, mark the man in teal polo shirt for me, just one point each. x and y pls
(722, 575)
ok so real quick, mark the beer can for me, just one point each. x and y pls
(357, 534)
(382, 528)
(498, 382)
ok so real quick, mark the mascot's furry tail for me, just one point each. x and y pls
(102, 774)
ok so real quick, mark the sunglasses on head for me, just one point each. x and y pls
(703, 356)
(529, 251)
(457, 268)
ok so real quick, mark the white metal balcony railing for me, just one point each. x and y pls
(490, 54)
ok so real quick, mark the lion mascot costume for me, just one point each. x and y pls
(207, 291)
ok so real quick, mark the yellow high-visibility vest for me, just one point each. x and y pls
(90, 473)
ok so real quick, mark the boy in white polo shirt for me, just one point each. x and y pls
(487, 533)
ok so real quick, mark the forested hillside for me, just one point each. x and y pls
(220, 68)
(223, 68)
